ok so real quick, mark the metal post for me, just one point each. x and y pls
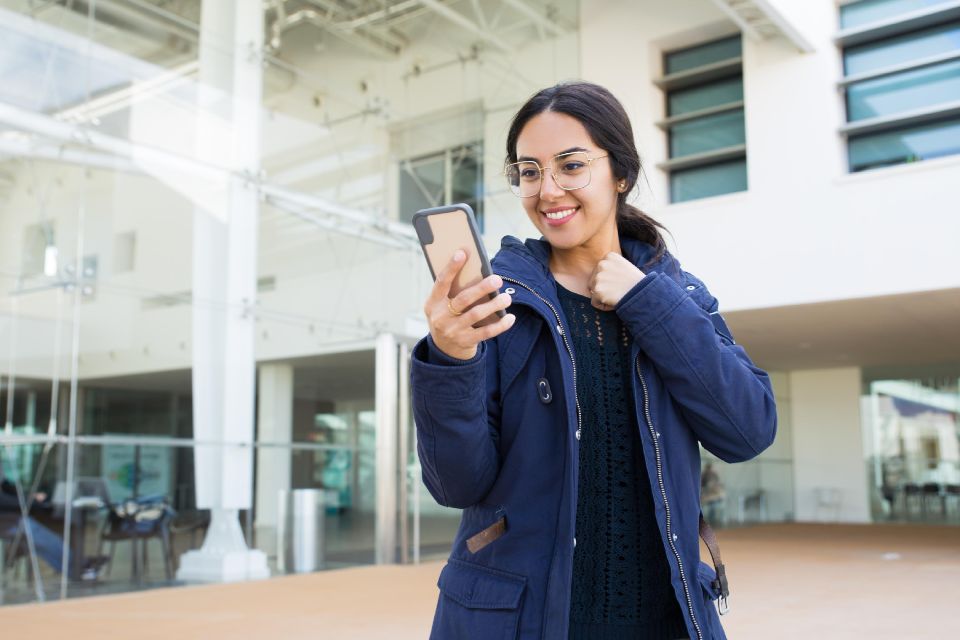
(403, 478)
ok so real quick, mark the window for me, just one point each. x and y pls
(704, 125)
(901, 64)
(453, 175)
(39, 251)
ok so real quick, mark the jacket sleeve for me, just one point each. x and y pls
(727, 400)
(456, 408)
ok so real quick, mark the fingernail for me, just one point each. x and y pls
(459, 255)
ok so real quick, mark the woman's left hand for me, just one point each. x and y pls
(612, 278)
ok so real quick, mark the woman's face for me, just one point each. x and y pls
(567, 219)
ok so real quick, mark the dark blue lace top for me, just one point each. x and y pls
(621, 579)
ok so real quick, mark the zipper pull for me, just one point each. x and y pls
(577, 434)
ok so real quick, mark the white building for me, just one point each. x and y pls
(197, 194)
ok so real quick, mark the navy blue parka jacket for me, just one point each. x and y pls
(498, 436)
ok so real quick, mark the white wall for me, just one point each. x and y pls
(805, 231)
(827, 444)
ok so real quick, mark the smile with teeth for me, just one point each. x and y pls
(560, 215)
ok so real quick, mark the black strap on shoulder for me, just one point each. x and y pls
(720, 585)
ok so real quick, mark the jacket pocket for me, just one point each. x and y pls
(477, 602)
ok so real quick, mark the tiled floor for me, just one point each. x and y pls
(788, 581)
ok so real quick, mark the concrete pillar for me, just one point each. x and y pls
(274, 425)
(828, 454)
(224, 286)
(386, 395)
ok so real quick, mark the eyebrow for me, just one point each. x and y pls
(532, 159)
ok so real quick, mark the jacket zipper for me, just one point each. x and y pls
(573, 362)
(663, 493)
(563, 334)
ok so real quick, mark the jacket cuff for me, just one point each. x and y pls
(438, 357)
(455, 379)
(649, 302)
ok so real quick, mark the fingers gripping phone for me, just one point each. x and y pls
(443, 230)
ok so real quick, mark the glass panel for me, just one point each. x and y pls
(908, 145)
(912, 437)
(902, 49)
(128, 411)
(756, 491)
(711, 180)
(704, 96)
(905, 91)
(422, 185)
(701, 55)
(707, 133)
(467, 179)
(864, 12)
(98, 231)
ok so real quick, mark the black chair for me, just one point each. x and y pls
(138, 522)
(911, 491)
(194, 522)
(931, 490)
(951, 493)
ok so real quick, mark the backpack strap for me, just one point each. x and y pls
(720, 585)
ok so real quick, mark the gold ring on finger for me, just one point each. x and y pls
(453, 311)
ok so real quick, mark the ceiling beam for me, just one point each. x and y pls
(462, 21)
(541, 19)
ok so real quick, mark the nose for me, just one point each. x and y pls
(549, 189)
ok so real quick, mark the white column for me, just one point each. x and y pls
(828, 451)
(275, 424)
(224, 287)
(385, 530)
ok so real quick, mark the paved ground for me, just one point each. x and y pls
(789, 581)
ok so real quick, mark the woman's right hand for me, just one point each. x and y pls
(454, 334)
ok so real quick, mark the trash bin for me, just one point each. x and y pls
(301, 522)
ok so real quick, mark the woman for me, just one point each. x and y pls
(568, 430)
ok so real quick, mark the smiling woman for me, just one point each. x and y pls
(568, 431)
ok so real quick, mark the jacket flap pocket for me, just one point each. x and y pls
(478, 587)
(515, 347)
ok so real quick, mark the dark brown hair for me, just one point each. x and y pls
(607, 122)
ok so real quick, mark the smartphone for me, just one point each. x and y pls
(443, 230)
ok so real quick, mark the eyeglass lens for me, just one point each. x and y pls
(570, 170)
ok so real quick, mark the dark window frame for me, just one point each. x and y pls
(702, 75)
(860, 132)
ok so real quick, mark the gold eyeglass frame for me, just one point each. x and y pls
(552, 173)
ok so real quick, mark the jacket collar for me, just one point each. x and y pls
(529, 261)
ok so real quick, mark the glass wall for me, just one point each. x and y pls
(912, 439)
(203, 229)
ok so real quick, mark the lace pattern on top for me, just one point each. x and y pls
(620, 573)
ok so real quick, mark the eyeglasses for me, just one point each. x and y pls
(571, 171)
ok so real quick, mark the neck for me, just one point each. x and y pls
(577, 263)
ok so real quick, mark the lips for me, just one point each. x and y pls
(559, 215)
